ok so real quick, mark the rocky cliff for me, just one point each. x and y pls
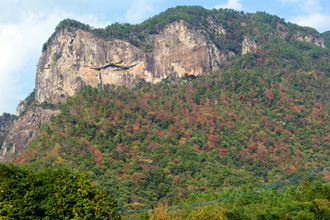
(5, 122)
(75, 57)
(79, 58)
(23, 130)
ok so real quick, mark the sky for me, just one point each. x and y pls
(26, 24)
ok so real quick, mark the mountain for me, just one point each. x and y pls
(188, 103)
(182, 40)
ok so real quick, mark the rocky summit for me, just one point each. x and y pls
(77, 58)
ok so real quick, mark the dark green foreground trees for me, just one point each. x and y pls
(51, 194)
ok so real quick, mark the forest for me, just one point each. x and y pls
(51, 194)
(64, 194)
(260, 120)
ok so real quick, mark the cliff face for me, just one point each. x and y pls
(248, 46)
(319, 41)
(23, 130)
(5, 122)
(78, 58)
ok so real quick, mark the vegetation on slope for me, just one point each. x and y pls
(299, 201)
(263, 118)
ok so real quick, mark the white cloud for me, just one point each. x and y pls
(315, 20)
(307, 6)
(308, 13)
(91, 19)
(21, 42)
(233, 4)
(138, 11)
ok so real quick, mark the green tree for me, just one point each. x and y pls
(52, 194)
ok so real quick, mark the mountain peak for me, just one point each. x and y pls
(185, 40)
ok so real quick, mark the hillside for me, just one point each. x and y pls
(259, 114)
(264, 117)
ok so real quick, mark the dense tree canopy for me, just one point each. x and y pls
(51, 194)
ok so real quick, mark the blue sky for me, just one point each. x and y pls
(26, 24)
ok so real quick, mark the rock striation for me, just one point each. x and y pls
(6, 121)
